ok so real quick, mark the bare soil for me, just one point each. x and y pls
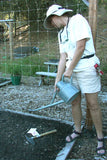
(14, 146)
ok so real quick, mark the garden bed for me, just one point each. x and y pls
(14, 146)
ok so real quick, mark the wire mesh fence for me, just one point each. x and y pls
(24, 43)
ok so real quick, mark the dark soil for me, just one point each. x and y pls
(14, 146)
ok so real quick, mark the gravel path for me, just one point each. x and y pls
(24, 97)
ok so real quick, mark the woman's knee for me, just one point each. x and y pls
(93, 105)
(76, 101)
(92, 101)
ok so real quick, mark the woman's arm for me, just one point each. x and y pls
(80, 46)
(61, 67)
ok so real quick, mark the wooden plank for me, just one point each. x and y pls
(63, 154)
(49, 74)
(93, 18)
(5, 83)
(51, 63)
(11, 39)
(44, 74)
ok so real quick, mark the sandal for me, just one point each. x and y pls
(101, 148)
(72, 139)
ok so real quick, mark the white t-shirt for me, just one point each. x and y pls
(77, 29)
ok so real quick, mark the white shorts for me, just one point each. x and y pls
(88, 81)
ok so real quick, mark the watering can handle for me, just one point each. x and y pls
(63, 78)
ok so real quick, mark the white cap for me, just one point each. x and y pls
(54, 10)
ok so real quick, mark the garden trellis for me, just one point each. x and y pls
(10, 27)
(26, 32)
(26, 42)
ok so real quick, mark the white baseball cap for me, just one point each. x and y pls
(54, 10)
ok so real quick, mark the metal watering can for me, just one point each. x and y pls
(67, 92)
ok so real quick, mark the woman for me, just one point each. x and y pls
(77, 55)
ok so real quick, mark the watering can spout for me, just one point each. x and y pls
(67, 92)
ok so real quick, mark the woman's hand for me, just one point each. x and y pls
(68, 73)
(55, 87)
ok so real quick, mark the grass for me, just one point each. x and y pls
(34, 62)
(28, 65)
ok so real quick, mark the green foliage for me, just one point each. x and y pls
(33, 10)
(26, 66)
(37, 8)
(14, 69)
(104, 68)
(103, 3)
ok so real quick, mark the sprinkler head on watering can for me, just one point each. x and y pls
(30, 140)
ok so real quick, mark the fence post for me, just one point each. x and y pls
(11, 39)
(93, 18)
(93, 24)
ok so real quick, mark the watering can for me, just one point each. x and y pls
(66, 91)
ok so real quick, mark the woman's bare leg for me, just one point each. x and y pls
(77, 115)
(92, 102)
